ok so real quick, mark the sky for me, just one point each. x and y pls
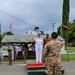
(25, 15)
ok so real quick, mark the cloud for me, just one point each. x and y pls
(26, 14)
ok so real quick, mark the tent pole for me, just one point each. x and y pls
(24, 54)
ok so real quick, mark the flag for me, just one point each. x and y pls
(64, 27)
(10, 25)
(26, 32)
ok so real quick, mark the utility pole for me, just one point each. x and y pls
(0, 34)
(61, 32)
(0, 28)
(53, 26)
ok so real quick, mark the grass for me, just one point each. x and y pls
(5, 49)
(71, 49)
(6, 59)
(65, 57)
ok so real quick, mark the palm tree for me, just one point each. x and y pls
(65, 14)
(36, 29)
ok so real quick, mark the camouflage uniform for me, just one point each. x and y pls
(51, 56)
(46, 40)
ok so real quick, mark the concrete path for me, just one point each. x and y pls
(20, 69)
(69, 68)
(15, 69)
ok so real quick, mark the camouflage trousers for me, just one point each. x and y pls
(53, 70)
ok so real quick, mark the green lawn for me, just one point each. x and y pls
(6, 59)
(71, 49)
(65, 57)
(5, 49)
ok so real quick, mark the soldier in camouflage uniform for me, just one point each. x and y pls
(51, 55)
(46, 39)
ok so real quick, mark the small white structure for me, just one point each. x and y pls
(4, 50)
(63, 48)
(63, 51)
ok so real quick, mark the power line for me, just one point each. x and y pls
(21, 8)
(0, 35)
(16, 18)
(18, 7)
(29, 7)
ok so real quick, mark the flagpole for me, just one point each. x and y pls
(10, 29)
(0, 34)
(66, 39)
(61, 31)
(10, 26)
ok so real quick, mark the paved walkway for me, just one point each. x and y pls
(69, 68)
(15, 69)
(20, 69)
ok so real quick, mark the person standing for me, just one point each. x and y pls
(0, 55)
(38, 47)
(12, 48)
(51, 55)
(15, 53)
(46, 39)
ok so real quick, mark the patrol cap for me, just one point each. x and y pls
(47, 34)
(54, 35)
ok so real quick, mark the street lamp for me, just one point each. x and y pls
(53, 26)
(0, 28)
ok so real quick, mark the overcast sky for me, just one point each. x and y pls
(26, 14)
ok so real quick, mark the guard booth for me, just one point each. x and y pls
(23, 40)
